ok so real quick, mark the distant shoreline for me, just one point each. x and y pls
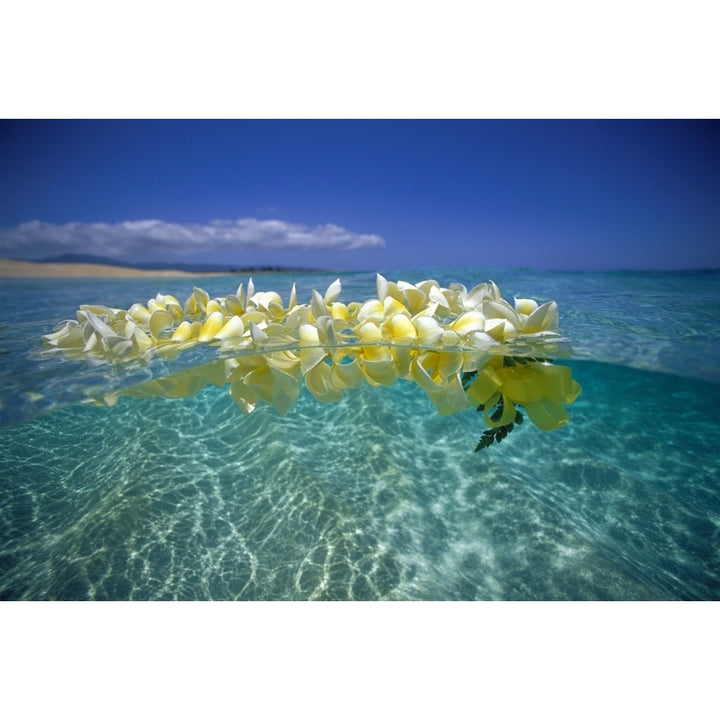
(23, 269)
(28, 269)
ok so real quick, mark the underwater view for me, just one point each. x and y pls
(164, 492)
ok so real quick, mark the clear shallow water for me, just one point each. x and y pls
(376, 496)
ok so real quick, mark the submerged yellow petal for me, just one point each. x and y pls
(546, 414)
(312, 352)
(402, 355)
(449, 363)
(454, 398)
(286, 390)
(319, 383)
(484, 386)
(346, 375)
(506, 417)
(380, 372)
(262, 381)
(310, 357)
(244, 396)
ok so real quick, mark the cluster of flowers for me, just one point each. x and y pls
(433, 336)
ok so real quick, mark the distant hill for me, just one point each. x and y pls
(85, 259)
(190, 268)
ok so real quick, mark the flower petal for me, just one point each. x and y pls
(160, 321)
(345, 375)
(183, 332)
(333, 292)
(234, 305)
(233, 328)
(544, 318)
(381, 286)
(287, 390)
(371, 310)
(401, 329)
(311, 353)
(319, 383)
(244, 396)
(428, 331)
(468, 322)
(380, 372)
(525, 306)
(211, 327)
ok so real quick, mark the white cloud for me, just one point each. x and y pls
(140, 238)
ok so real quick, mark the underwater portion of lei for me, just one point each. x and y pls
(464, 348)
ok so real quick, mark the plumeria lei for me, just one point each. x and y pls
(464, 348)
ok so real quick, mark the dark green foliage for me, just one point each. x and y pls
(513, 361)
(497, 434)
(467, 379)
(486, 440)
(497, 413)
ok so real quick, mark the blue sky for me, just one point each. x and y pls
(372, 195)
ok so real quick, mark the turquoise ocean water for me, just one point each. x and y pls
(374, 497)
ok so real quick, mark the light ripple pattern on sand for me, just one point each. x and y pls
(371, 498)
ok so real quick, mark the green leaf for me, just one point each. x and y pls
(485, 441)
(497, 414)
